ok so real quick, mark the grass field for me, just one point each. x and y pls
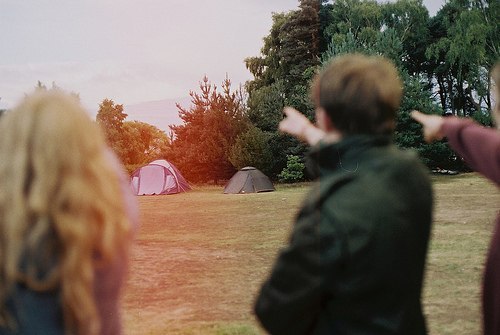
(200, 257)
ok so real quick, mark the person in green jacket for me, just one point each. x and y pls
(356, 256)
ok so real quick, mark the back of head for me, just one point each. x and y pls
(59, 199)
(51, 134)
(45, 140)
(360, 94)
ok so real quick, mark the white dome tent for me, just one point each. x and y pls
(157, 178)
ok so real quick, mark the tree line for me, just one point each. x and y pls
(443, 60)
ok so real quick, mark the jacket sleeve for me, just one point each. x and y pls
(477, 145)
(290, 300)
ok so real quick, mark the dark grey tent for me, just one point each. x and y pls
(248, 180)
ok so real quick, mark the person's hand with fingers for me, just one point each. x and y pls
(294, 123)
(431, 125)
(297, 124)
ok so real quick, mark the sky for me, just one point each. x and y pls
(131, 51)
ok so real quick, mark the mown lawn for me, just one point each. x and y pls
(200, 257)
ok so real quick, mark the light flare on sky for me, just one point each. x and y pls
(131, 51)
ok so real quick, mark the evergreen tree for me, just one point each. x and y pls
(290, 55)
(389, 43)
(443, 60)
(282, 74)
(251, 148)
(299, 53)
(202, 144)
(265, 106)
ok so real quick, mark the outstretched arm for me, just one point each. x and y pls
(431, 125)
(297, 124)
(477, 145)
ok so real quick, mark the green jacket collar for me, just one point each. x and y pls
(344, 155)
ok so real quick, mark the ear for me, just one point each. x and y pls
(323, 120)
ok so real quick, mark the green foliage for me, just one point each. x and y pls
(294, 170)
(439, 155)
(463, 46)
(265, 106)
(135, 143)
(416, 96)
(409, 20)
(282, 74)
(443, 61)
(202, 144)
(290, 56)
(110, 117)
(299, 96)
(143, 143)
(408, 134)
(281, 146)
(299, 47)
(386, 43)
(251, 148)
(267, 69)
(483, 118)
(363, 19)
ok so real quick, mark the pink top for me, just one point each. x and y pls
(480, 147)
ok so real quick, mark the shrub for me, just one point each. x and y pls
(294, 170)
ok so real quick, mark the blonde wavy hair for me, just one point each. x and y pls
(61, 213)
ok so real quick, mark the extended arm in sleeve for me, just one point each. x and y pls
(477, 145)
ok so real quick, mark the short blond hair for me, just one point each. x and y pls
(360, 94)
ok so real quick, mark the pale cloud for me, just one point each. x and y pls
(129, 51)
(123, 82)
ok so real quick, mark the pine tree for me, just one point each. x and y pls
(202, 144)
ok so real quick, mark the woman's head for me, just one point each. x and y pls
(360, 94)
(48, 139)
(59, 201)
